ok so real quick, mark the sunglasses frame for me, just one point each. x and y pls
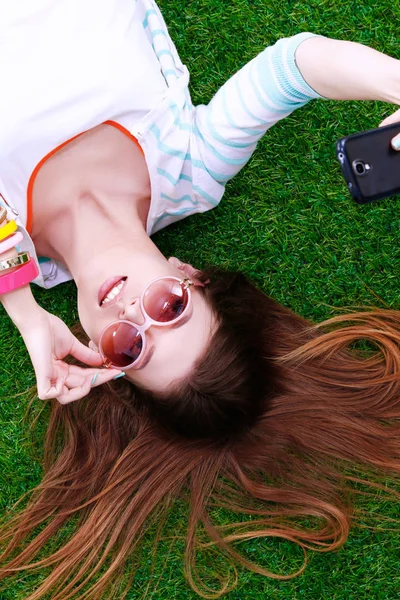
(148, 322)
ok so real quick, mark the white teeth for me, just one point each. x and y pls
(113, 292)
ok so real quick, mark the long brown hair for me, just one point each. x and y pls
(277, 422)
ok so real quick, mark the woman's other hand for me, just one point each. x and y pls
(49, 341)
(394, 118)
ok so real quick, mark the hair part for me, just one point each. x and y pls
(315, 414)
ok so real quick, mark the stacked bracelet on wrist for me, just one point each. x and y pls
(21, 276)
(15, 271)
(3, 214)
(13, 240)
(14, 261)
(7, 228)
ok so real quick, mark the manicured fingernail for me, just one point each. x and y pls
(119, 375)
(396, 143)
(95, 376)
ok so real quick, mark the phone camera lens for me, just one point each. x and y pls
(360, 167)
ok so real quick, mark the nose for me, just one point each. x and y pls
(129, 309)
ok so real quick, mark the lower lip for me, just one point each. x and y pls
(107, 287)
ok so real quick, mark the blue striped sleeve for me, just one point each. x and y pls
(262, 93)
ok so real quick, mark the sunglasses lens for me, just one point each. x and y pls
(121, 343)
(165, 300)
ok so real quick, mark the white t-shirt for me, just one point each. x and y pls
(69, 65)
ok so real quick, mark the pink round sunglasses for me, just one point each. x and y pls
(165, 301)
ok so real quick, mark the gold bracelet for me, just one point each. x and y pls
(7, 229)
(3, 214)
(15, 261)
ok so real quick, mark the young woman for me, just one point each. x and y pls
(220, 391)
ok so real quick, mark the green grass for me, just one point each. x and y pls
(288, 222)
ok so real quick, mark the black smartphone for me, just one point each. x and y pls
(369, 164)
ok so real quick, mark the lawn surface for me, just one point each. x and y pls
(288, 221)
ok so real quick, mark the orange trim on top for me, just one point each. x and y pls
(33, 177)
(40, 164)
(126, 132)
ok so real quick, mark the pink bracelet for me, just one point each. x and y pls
(23, 275)
(11, 241)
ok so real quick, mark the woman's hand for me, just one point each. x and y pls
(49, 341)
(394, 118)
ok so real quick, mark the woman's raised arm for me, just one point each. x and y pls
(342, 70)
(279, 80)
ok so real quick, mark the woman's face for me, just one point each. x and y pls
(170, 352)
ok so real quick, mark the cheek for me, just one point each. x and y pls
(91, 319)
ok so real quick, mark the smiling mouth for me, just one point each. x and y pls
(113, 289)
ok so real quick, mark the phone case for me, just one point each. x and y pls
(369, 164)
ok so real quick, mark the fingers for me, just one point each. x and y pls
(50, 384)
(79, 382)
(73, 383)
(77, 376)
(89, 356)
(395, 143)
(105, 375)
(394, 118)
(48, 390)
(75, 393)
(93, 346)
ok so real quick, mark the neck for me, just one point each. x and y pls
(89, 230)
(92, 195)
